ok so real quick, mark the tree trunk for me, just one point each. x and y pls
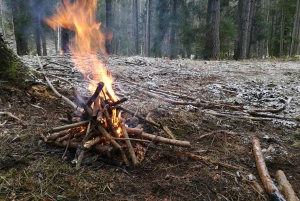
(212, 47)
(21, 39)
(65, 40)
(238, 42)
(281, 34)
(2, 20)
(148, 22)
(12, 69)
(295, 28)
(44, 43)
(136, 26)
(173, 48)
(245, 31)
(109, 21)
(249, 32)
(37, 26)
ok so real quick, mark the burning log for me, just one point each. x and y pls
(114, 143)
(96, 94)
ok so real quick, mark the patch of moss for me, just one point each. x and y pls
(13, 69)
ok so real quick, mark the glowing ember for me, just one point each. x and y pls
(80, 18)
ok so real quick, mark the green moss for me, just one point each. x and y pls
(13, 70)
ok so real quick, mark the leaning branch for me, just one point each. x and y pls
(53, 89)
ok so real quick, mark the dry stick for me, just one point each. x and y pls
(263, 171)
(86, 108)
(60, 128)
(275, 110)
(113, 142)
(240, 117)
(88, 144)
(167, 92)
(165, 128)
(96, 94)
(218, 131)
(131, 139)
(106, 151)
(63, 138)
(196, 104)
(109, 121)
(285, 187)
(140, 133)
(128, 143)
(53, 89)
(140, 117)
(67, 147)
(209, 161)
(255, 114)
(13, 116)
(64, 80)
(2, 124)
(81, 148)
(96, 107)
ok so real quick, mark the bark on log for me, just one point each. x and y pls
(61, 128)
(128, 143)
(140, 133)
(105, 151)
(113, 142)
(263, 171)
(88, 144)
(56, 135)
(285, 187)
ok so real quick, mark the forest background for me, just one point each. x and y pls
(200, 29)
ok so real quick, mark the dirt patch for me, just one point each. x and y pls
(32, 170)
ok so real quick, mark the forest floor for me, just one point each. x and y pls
(33, 170)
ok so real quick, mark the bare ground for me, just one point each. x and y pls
(32, 170)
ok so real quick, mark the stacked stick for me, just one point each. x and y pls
(102, 130)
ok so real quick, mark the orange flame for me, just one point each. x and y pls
(80, 18)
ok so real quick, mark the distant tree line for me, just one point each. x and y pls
(207, 29)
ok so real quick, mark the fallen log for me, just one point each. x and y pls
(142, 134)
(285, 187)
(263, 171)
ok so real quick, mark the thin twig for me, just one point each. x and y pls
(13, 116)
(218, 131)
(2, 124)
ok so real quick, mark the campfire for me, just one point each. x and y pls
(101, 126)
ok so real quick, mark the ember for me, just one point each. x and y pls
(100, 123)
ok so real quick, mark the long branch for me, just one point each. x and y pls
(53, 89)
(140, 133)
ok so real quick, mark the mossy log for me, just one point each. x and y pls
(12, 70)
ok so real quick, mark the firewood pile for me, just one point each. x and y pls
(101, 129)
